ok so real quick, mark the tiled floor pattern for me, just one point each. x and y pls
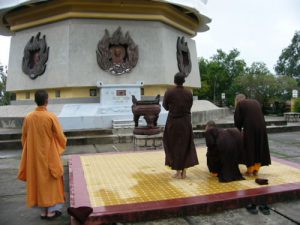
(137, 177)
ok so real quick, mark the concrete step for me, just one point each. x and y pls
(10, 144)
(16, 134)
(231, 124)
(12, 140)
(77, 133)
(279, 129)
(199, 133)
(10, 136)
(78, 140)
(126, 124)
(93, 139)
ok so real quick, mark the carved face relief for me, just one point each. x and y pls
(117, 54)
(183, 56)
(35, 56)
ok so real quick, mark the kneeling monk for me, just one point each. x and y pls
(224, 147)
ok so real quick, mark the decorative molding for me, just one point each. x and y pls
(54, 11)
(35, 56)
(117, 54)
(183, 56)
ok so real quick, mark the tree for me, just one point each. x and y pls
(258, 68)
(257, 82)
(218, 74)
(4, 95)
(261, 87)
(260, 84)
(289, 60)
(297, 105)
(203, 92)
(285, 85)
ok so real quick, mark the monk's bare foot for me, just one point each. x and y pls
(248, 174)
(50, 214)
(43, 214)
(183, 174)
(177, 174)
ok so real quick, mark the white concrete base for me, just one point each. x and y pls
(93, 115)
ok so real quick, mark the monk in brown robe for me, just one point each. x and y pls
(41, 168)
(249, 118)
(178, 134)
(223, 152)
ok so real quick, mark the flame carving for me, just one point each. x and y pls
(117, 54)
(183, 56)
(35, 56)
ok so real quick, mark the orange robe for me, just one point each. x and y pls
(43, 142)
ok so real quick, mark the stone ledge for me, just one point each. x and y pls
(145, 142)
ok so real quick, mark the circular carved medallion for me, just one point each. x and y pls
(117, 54)
(35, 56)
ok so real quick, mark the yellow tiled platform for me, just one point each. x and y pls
(115, 179)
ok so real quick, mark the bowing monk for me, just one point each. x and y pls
(178, 134)
(41, 168)
(248, 118)
(223, 152)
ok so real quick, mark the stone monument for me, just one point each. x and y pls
(67, 46)
(112, 111)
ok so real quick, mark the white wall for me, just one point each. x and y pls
(72, 57)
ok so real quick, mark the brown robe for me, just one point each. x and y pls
(43, 142)
(178, 134)
(249, 117)
(223, 153)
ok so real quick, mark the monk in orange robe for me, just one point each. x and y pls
(41, 168)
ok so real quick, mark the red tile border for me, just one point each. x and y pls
(175, 207)
(79, 195)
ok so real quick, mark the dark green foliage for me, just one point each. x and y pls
(4, 95)
(289, 60)
(224, 73)
(297, 105)
(257, 83)
(218, 74)
(271, 91)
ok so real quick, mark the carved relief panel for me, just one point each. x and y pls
(117, 54)
(183, 56)
(35, 56)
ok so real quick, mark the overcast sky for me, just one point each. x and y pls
(259, 29)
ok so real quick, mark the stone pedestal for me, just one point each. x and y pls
(145, 142)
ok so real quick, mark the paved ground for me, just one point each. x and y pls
(13, 210)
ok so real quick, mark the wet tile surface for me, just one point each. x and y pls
(136, 182)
